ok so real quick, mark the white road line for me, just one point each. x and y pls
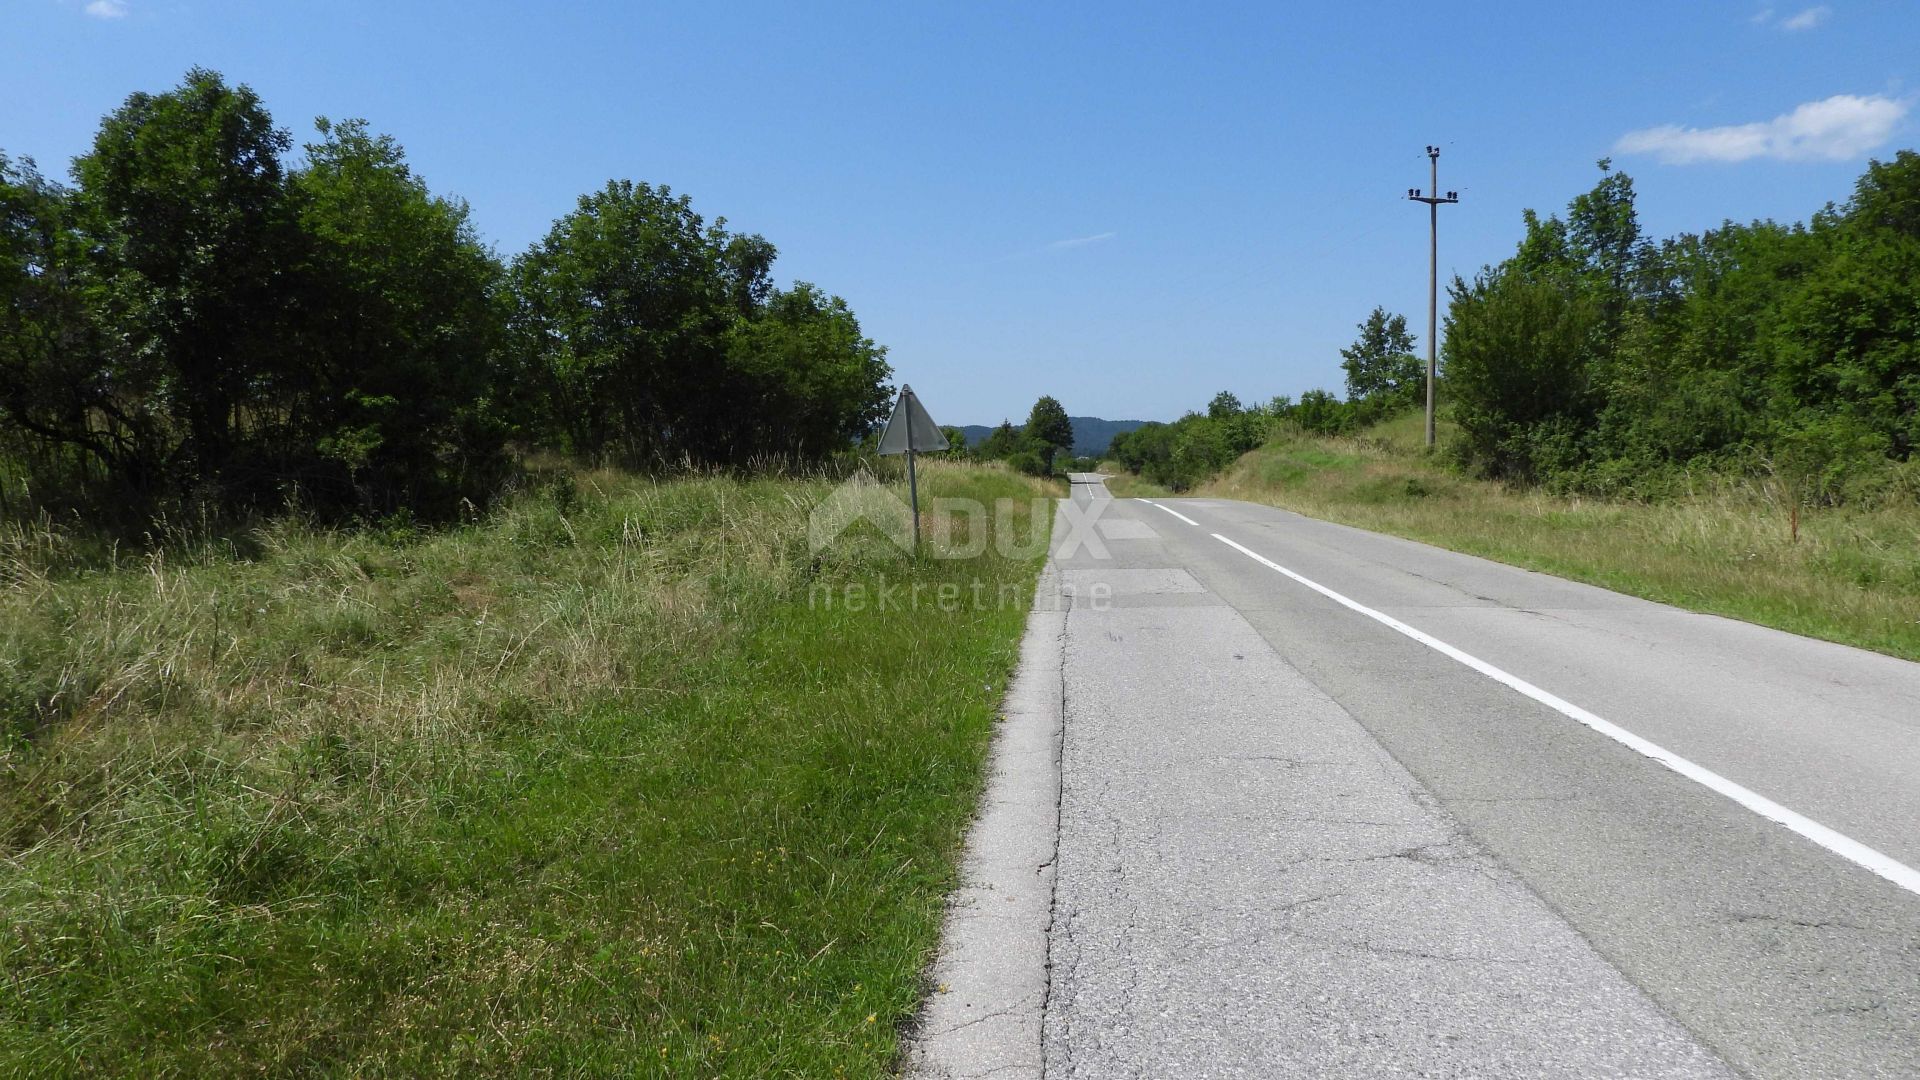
(1844, 846)
(1174, 512)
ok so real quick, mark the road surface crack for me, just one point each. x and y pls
(1743, 917)
(1053, 894)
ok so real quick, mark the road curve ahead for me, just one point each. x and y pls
(1338, 804)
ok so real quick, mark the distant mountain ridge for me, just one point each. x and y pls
(1091, 434)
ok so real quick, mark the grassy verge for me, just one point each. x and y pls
(1125, 485)
(612, 781)
(1853, 575)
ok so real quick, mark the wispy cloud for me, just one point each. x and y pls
(1806, 20)
(107, 9)
(1080, 241)
(1842, 127)
(1058, 245)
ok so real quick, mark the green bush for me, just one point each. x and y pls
(1028, 462)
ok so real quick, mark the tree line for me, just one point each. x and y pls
(205, 319)
(1597, 360)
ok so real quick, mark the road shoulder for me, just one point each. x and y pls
(984, 1013)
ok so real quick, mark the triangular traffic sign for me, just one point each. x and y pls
(910, 428)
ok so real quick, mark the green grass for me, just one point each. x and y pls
(1725, 547)
(1125, 485)
(595, 785)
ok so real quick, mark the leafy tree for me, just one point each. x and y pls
(1224, 406)
(657, 337)
(61, 419)
(1001, 443)
(623, 313)
(1319, 411)
(810, 383)
(1528, 341)
(1849, 342)
(1517, 366)
(194, 249)
(1603, 232)
(1048, 430)
(1030, 462)
(407, 316)
(1380, 364)
(206, 325)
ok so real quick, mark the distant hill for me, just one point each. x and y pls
(1091, 434)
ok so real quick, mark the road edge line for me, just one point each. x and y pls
(1867, 858)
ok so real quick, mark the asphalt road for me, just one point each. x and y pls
(1333, 803)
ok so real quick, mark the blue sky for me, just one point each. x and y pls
(1128, 207)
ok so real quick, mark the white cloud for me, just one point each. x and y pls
(1842, 127)
(1807, 19)
(107, 9)
(1080, 241)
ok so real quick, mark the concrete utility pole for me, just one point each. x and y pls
(1433, 201)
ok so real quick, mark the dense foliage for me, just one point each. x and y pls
(205, 322)
(1181, 454)
(1595, 359)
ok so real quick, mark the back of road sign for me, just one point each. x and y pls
(910, 428)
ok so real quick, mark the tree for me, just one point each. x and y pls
(1001, 443)
(207, 326)
(809, 382)
(406, 312)
(194, 251)
(1603, 232)
(1380, 364)
(1517, 364)
(623, 311)
(1321, 412)
(657, 338)
(1224, 406)
(62, 421)
(1049, 430)
(1529, 341)
(1851, 333)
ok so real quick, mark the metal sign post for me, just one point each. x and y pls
(909, 430)
(913, 496)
